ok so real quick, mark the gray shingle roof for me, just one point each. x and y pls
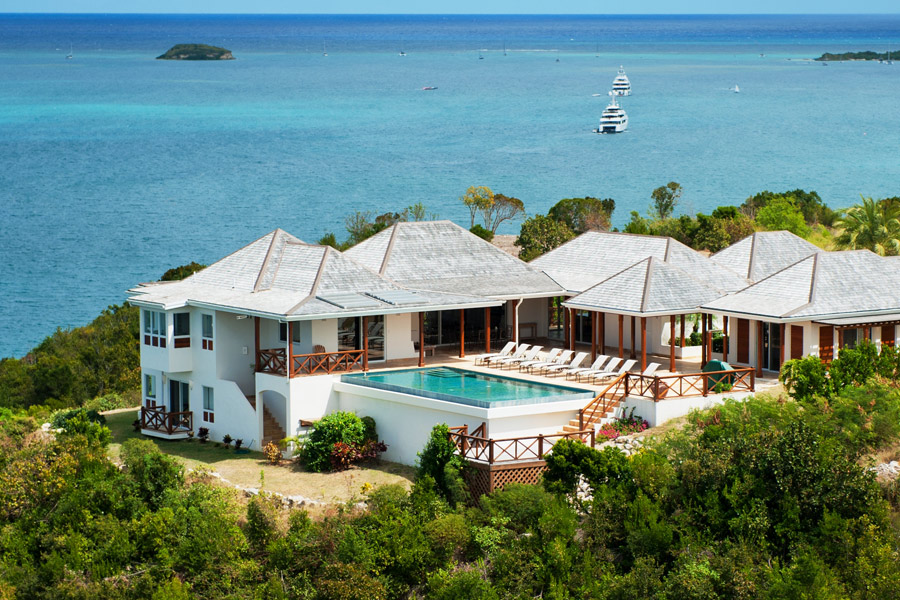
(823, 285)
(594, 256)
(759, 255)
(650, 287)
(442, 256)
(280, 275)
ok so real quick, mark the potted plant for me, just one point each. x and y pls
(226, 439)
(203, 434)
(237, 445)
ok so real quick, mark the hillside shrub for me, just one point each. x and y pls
(439, 460)
(151, 471)
(339, 440)
(61, 418)
(806, 378)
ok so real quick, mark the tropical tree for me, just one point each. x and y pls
(783, 214)
(665, 199)
(584, 214)
(503, 208)
(540, 234)
(477, 198)
(872, 225)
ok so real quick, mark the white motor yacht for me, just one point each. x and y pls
(621, 86)
(613, 119)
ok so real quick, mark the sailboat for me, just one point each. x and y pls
(70, 55)
(324, 51)
(736, 89)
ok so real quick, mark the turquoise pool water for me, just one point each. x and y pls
(467, 387)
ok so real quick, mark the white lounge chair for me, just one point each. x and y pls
(562, 359)
(596, 366)
(548, 357)
(612, 365)
(520, 351)
(557, 369)
(506, 351)
(626, 366)
(650, 370)
(514, 360)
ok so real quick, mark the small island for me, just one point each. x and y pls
(196, 52)
(867, 55)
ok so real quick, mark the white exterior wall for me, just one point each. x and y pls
(535, 310)
(233, 351)
(656, 413)
(404, 422)
(311, 398)
(234, 415)
(398, 336)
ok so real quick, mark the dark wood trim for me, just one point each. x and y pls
(888, 335)
(601, 332)
(743, 341)
(683, 319)
(487, 330)
(671, 343)
(782, 333)
(256, 347)
(593, 336)
(633, 345)
(572, 324)
(725, 339)
(565, 328)
(181, 342)
(704, 333)
(290, 343)
(515, 320)
(826, 343)
(796, 342)
(462, 333)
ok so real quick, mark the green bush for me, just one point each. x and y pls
(151, 471)
(806, 378)
(482, 232)
(61, 418)
(345, 427)
(438, 460)
(113, 401)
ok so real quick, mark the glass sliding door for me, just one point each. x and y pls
(376, 338)
(179, 396)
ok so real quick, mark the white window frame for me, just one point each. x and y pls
(209, 404)
(207, 340)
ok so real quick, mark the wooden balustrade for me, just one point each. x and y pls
(274, 361)
(506, 450)
(600, 406)
(682, 385)
(158, 419)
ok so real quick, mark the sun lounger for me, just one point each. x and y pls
(611, 366)
(561, 359)
(514, 360)
(597, 366)
(506, 351)
(557, 369)
(520, 351)
(547, 357)
(650, 370)
(626, 366)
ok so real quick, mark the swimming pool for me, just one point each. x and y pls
(467, 387)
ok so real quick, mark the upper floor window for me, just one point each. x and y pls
(150, 390)
(155, 328)
(282, 332)
(182, 329)
(206, 327)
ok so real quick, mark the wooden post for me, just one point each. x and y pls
(540, 445)
(621, 335)
(725, 339)
(633, 327)
(462, 333)
(643, 343)
(487, 330)
(759, 348)
(671, 343)
(783, 329)
(256, 341)
(601, 332)
(704, 358)
(365, 344)
(682, 331)
(593, 336)
(421, 339)
(572, 322)
(290, 353)
(565, 328)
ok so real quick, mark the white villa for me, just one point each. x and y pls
(280, 332)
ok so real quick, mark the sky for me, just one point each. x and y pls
(453, 6)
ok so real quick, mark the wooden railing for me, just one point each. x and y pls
(158, 419)
(681, 385)
(274, 361)
(492, 451)
(601, 405)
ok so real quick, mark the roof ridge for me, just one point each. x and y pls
(316, 281)
(646, 292)
(752, 254)
(265, 265)
(389, 249)
(814, 278)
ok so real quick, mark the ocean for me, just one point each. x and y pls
(115, 166)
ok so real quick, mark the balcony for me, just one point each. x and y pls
(274, 361)
(157, 422)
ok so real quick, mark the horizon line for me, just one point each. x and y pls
(425, 14)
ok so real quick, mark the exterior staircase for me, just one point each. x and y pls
(272, 431)
(601, 409)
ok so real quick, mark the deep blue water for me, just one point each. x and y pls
(115, 167)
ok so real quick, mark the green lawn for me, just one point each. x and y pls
(245, 469)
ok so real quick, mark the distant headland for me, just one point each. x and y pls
(196, 52)
(867, 55)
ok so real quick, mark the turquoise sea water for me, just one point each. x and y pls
(467, 387)
(115, 167)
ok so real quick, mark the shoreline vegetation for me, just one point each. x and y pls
(845, 56)
(196, 52)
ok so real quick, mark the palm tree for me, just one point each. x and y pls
(872, 225)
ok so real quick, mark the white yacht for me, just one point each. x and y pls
(621, 86)
(613, 119)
